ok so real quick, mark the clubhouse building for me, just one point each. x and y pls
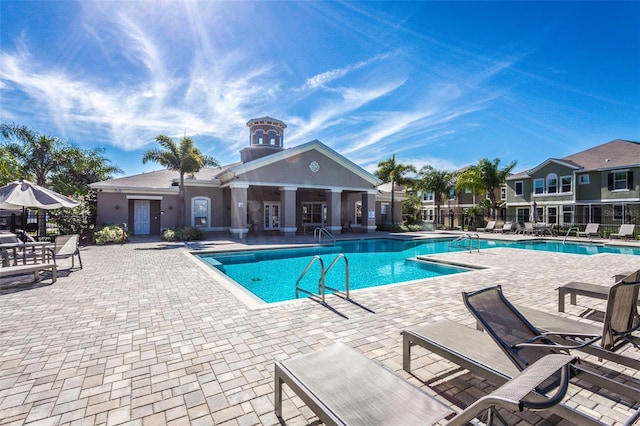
(271, 189)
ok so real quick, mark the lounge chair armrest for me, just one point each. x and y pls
(512, 394)
(557, 345)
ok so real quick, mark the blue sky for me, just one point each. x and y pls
(439, 83)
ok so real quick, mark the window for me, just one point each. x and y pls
(427, 196)
(452, 193)
(358, 212)
(620, 180)
(565, 184)
(200, 212)
(259, 137)
(522, 214)
(552, 215)
(272, 137)
(567, 215)
(583, 179)
(617, 212)
(313, 213)
(503, 192)
(384, 212)
(519, 187)
(538, 186)
(552, 183)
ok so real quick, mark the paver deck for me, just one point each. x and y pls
(144, 335)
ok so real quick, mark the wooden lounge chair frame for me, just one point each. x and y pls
(66, 246)
(342, 387)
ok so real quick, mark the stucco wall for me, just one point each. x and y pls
(295, 171)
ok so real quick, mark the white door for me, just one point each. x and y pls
(141, 210)
(272, 216)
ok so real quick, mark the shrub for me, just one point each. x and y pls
(110, 234)
(183, 234)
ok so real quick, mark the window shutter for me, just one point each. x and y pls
(630, 180)
(610, 181)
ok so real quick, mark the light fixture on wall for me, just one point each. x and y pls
(117, 207)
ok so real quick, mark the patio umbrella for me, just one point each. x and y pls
(16, 195)
(535, 217)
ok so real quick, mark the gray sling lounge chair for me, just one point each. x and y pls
(342, 387)
(524, 344)
(621, 321)
(66, 246)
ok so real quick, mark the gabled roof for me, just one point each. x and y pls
(297, 150)
(566, 164)
(615, 154)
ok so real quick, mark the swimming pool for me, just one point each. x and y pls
(271, 275)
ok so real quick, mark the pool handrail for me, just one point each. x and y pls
(346, 269)
(320, 282)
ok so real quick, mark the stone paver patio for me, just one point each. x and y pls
(145, 335)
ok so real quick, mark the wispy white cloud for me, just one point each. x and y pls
(320, 80)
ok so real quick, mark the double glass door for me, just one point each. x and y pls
(271, 216)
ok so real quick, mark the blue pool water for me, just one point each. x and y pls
(272, 274)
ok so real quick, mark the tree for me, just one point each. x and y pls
(39, 155)
(9, 166)
(439, 182)
(183, 158)
(78, 168)
(488, 176)
(390, 171)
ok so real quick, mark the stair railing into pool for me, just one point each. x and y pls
(313, 260)
(346, 274)
(465, 237)
(323, 272)
(571, 228)
(319, 232)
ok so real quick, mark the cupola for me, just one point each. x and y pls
(266, 136)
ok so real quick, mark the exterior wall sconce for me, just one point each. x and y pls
(161, 211)
(117, 207)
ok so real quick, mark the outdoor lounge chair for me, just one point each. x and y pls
(491, 225)
(66, 246)
(591, 230)
(342, 386)
(477, 352)
(621, 320)
(507, 227)
(625, 231)
(524, 344)
(528, 228)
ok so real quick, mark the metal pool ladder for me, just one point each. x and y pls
(321, 284)
(319, 232)
(464, 237)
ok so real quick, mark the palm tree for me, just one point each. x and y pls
(79, 168)
(39, 155)
(183, 158)
(439, 182)
(390, 171)
(488, 176)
